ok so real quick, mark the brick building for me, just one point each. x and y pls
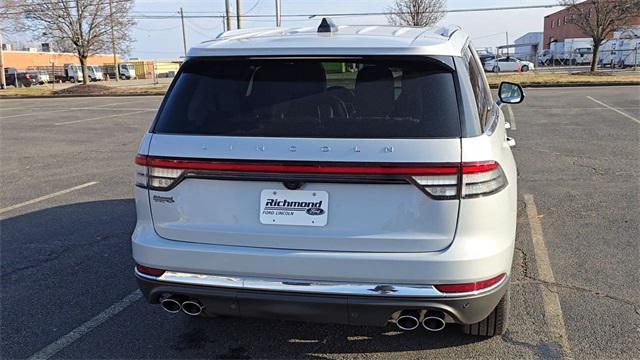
(24, 60)
(559, 26)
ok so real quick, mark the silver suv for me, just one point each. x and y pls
(345, 174)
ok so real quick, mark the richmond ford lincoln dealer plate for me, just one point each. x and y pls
(288, 207)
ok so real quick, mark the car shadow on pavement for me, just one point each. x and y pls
(260, 338)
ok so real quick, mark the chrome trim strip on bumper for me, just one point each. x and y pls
(310, 287)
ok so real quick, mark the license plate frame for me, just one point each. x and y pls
(294, 207)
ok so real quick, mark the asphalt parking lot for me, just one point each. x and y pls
(66, 214)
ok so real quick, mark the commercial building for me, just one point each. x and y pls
(559, 26)
(528, 45)
(27, 60)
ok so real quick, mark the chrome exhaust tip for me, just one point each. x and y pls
(408, 320)
(170, 304)
(434, 321)
(192, 307)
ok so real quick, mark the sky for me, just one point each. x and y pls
(162, 38)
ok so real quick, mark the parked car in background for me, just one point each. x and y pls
(508, 64)
(486, 57)
(306, 174)
(16, 78)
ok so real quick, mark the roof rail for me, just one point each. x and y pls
(448, 31)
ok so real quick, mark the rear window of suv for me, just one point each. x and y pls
(312, 98)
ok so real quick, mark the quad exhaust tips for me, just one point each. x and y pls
(434, 321)
(173, 304)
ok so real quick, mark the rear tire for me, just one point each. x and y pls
(493, 325)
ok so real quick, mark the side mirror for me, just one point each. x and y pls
(510, 93)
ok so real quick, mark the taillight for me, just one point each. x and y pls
(478, 179)
(481, 179)
(153, 177)
(439, 181)
(470, 287)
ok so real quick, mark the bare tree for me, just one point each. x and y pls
(82, 26)
(600, 18)
(11, 16)
(416, 12)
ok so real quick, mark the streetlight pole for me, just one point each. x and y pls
(239, 20)
(278, 18)
(113, 44)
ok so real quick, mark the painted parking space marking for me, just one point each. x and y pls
(614, 109)
(75, 334)
(512, 118)
(72, 109)
(45, 197)
(551, 301)
(102, 117)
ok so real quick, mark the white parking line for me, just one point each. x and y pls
(83, 329)
(45, 197)
(614, 109)
(101, 117)
(71, 109)
(512, 118)
(550, 298)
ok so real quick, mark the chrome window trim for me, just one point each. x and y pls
(310, 287)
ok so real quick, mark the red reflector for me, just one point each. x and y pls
(418, 169)
(474, 168)
(470, 287)
(141, 160)
(149, 271)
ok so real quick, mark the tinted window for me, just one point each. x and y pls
(312, 98)
(479, 84)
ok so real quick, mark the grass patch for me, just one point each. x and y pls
(84, 90)
(554, 79)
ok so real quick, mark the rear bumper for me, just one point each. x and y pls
(343, 307)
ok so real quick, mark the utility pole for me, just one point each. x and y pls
(507, 33)
(227, 9)
(278, 17)
(113, 43)
(184, 36)
(239, 20)
(3, 81)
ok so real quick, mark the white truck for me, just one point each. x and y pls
(628, 48)
(95, 73)
(127, 71)
(72, 73)
(576, 51)
(621, 51)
